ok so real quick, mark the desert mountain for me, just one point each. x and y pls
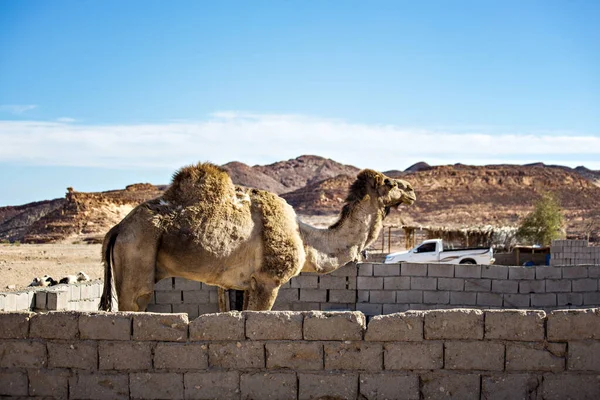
(452, 196)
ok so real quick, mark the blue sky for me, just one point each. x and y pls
(100, 94)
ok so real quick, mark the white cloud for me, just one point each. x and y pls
(66, 119)
(262, 138)
(17, 108)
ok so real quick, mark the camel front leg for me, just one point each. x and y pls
(261, 295)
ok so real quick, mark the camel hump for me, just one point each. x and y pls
(202, 182)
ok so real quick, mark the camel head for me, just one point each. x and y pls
(388, 192)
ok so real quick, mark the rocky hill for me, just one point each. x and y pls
(450, 196)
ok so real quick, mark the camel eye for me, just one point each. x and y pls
(388, 182)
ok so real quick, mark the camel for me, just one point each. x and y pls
(204, 228)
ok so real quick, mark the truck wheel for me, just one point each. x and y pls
(471, 262)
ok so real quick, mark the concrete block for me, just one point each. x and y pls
(14, 325)
(351, 282)
(544, 272)
(382, 296)
(288, 295)
(453, 284)
(423, 283)
(295, 355)
(477, 355)
(160, 327)
(40, 301)
(125, 355)
(222, 326)
(313, 295)
(353, 356)
(494, 271)
(478, 285)
(436, 297)
(394, 308)
(467, 271)
(584, 356)
(535, 356)
(409, 296)
(413, 355)
(386, 269)
(170, 297)
(102, 386)
(511, 300)
(23, 301)
(273, 325)
(342, 296)
(370, 309)
(305, 281)
(57, 299)
(389, 386)
(543, 299)
(365, 269)
(454, 324)
(350, 269)
(48, 383)
(574, 272)
(338, 306)
(212, 385)
(160, 308)
(413, 269)
(196, 297)
(14, 383)
(186, 284)
(208, 308)
(521, 273)
(77, 355)
(362, 296)
(236, 355)
(591, 299)
(513, 386)
(440, 270)
(22, 354)
(190, 309)
(444, 385)
(305, 306)
(569, 299)
(505, 286)
(463, 298)
(396, 327)
(54, 325)
(105, 326)
(532, 286)
(489, 299)
(369, 283)
(268, 385)
(566, 325)
(8, 302)
(585, 285)
(334, 325)
(165, 284)
(515, 325)
(156, 385)
(185, 356)
(327, 385)
(332, 282)
(563, 386)
(558, 285)
(594, 270)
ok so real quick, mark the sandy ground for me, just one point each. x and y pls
(19, 264)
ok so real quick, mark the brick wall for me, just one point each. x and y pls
(466, 354)
(574, 252)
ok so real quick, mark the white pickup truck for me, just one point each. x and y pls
(433, 251)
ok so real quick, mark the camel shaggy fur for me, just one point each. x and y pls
(204, 228)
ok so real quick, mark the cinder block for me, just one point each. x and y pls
(78, 355)
(394, 308)
(489, 299)
(327, 385)
(334, 325)
(338, 306)
(569, 299)
(585, 285)
(584, 356)
(532, 286)
(369, 283)
(443, 385)
(165, 284)
(103, 386)
(467, 271)
(305, 306)
(208, 308)
(440, 270)
(454, 324)
(413, 269)
(22, 354)
(14, 325)
(190, 309)
(212, 385)
(410, 356)
(54, 325)
(156, 385)
(288, 295)
(353, 356)
(370, 309)
(160, 308)
(14, 383)
(494, 272)
(478, 355)
(396, 282)
(423, 283)
(594, 270)
(186, 284)
(105, 326)
(23, 301)
(305, 281)
(573, 272)
(350, 269)
(543, 299)
(40, 301)
(591, 299)
(511, 300)
(160, 327)
(463, 298)
(543, 272)
(453, 284)
(274, 325)
(57, 299)
(196, 296)
(351, 282)
(409, 296)
(521, 273)
(397, 327)
(125, 355)
(183, 356)
(515, 325)
(342, 296)
(269, 386)
(389, 386)
(505, 286)
(558, 285)
(48, 383)
(170, 297)
(386, 269)
(295, 355)
(222, 326)
(563, 386)
(478, 285)
(565, 325)
(313, 295)
(362, 296)
(436, 297)
(513, 386)
(236, 355)
(535, 356)
(365, 269)
(332, 282)
(382, 296)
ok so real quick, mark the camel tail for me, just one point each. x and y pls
(106, 301)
